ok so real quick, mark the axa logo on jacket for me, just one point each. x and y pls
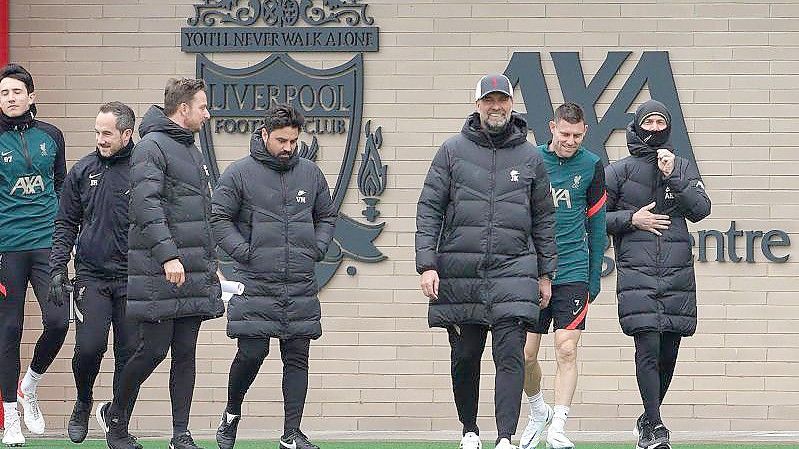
(28, 185)
(559, 195)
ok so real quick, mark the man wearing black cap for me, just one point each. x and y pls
(484, 246)
(651, 193)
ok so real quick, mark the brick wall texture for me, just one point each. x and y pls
(378, 366)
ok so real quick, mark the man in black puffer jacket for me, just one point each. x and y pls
(273, 214)
(485, 226)
(172, 265)
(651, 194)
(93, 212)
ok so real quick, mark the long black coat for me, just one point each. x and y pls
(656, 286)
(275, 219)
(485, 221)
(169, 210)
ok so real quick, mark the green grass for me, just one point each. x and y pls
(269, 444)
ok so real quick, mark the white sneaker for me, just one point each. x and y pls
(505, 444)
(12, 434)
(535, 428)
(471, 441)
(31, 413)
(556, 439)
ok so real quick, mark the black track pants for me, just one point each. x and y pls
(467, 343)
(655, 359)
(154, 341)
(99, 304)
(248, 360)
(17, 269)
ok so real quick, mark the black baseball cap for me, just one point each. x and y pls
(490, 83)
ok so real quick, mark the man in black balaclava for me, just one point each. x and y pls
(651, 194)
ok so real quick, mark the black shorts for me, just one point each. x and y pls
(568, 308)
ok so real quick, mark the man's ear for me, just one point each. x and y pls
(32, 96)
(264, 135)
(127, 135)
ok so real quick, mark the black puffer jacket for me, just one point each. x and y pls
(485, 222)
(93, 212)
(655, 285)
(275, 219)
(169, 210)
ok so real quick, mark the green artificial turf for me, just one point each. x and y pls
(270, 444)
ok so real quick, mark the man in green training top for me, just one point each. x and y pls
(578, 191)
(32, 170)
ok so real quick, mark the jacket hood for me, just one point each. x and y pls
(259, 152)
(515, 132)
(123, 153)
(155, 120)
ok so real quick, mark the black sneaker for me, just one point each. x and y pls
(644, 431)
(118, 438)
(295, 439)
(183, 441)
(660, 438)
(116, 434)
(134, 442)
(100, 415)
(78, 425)
(226, 433)
(640, 424)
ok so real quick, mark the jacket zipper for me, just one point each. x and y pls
(659, 281)
(489, 249)
(286, 227)
(25, 150)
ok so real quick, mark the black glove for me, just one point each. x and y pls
(59, 285)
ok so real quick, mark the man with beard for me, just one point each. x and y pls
(93, 213)
(273, 214)
(651, 194)
(485, 248)
(172, 265)
(578, 191)
(32, 170)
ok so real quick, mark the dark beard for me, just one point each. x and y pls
(496, 129)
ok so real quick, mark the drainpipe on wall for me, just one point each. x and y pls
(3, 41)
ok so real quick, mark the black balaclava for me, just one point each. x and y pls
(654, 139)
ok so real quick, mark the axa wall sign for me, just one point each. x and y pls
(331, 99)
(653, 70)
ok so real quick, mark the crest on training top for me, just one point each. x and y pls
(330, 98)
